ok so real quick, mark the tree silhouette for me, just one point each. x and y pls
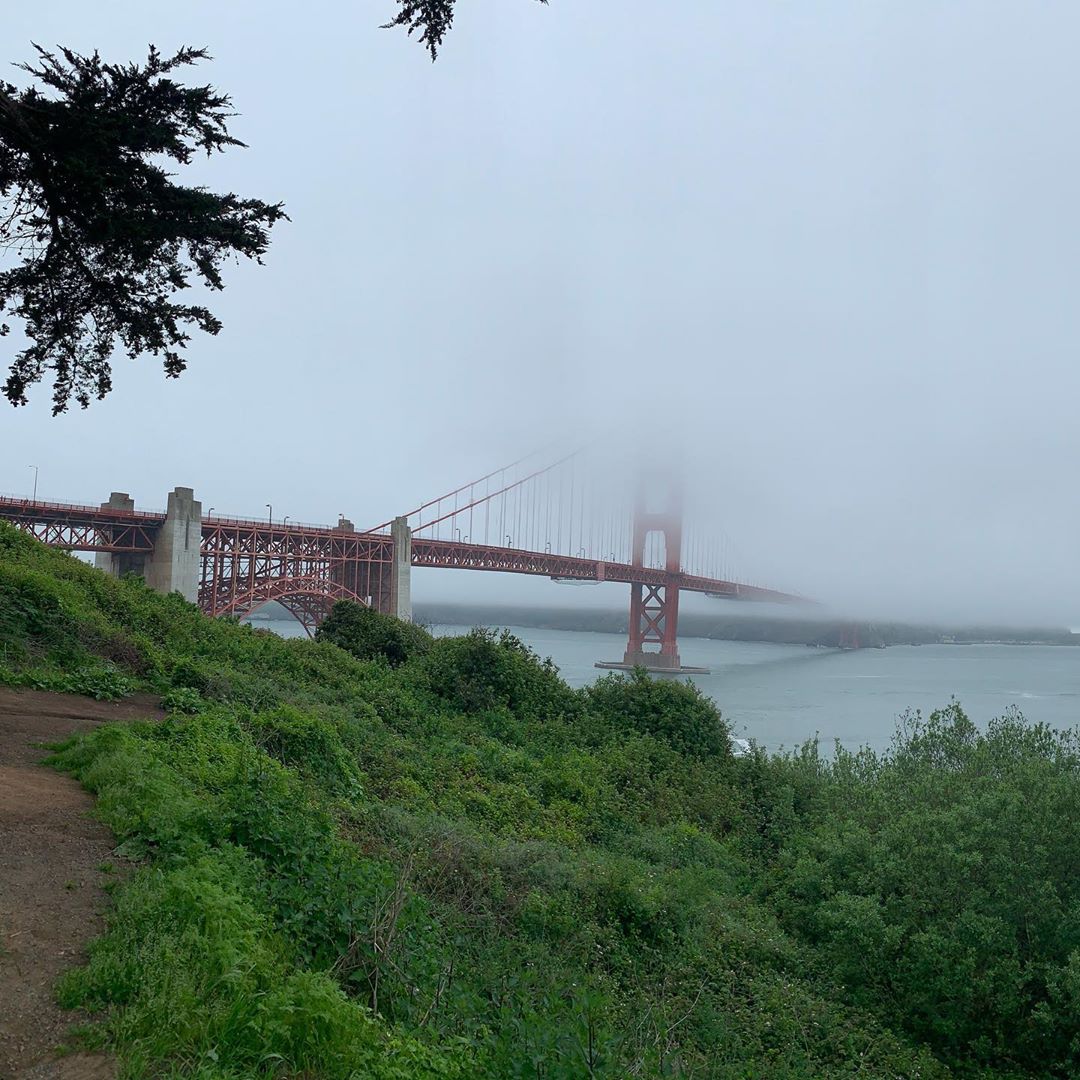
(103, 235)
(431, 19)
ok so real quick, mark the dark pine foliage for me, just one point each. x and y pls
(103, 235)
(432, 19)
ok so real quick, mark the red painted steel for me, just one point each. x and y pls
(654, 607)
(452, 555)
(83, 528)
(247, 562)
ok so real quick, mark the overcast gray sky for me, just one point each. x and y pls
(834, 245)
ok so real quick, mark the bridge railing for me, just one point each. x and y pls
(307, 526)
(10, 501)
(22, 502)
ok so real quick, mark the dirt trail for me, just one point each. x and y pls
(51, 899)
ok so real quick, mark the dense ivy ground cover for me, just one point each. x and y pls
(379, 855)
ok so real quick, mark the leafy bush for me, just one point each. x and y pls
(193, 969)
(309, 744)
(677, 712)
(182, 699)
(486, 670)
(99, 681)
(943, 886)
(370, 635)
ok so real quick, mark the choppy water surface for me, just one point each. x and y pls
(781, 695)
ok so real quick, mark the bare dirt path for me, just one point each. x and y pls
(51, 898)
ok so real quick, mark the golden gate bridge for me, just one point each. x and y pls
(556, 519)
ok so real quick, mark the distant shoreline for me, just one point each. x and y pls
(822, 633)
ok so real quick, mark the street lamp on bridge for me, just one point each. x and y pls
(35, 468)
(270, 519)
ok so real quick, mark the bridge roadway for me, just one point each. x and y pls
(246, 562)
(450, 554)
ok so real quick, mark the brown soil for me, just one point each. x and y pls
(51, 898)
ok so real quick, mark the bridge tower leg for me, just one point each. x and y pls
(119, 563)
(174, 564)
(401, 585)
(654, 609)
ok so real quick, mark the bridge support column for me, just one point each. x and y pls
(119, 563)
(654, 619)
(654, 609)
(401, 580)
(174, 564)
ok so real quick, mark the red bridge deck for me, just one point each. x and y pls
(245, 563)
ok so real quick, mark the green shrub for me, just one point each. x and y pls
(308, 743)
(192, 971)
(30, 606)
(941, 887)
(370, 635)
(182, 699)
(675, 711)
(97, 680)
(486, 671)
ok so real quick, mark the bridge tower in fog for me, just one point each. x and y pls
(656, 544)
(654, 609)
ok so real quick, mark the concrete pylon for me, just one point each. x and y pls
(120, 563)
(173, 566)
(401, 584)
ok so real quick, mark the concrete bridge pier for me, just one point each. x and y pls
(119, 563)
(174, 564)
(401, 577)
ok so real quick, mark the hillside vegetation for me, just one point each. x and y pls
(383, 855)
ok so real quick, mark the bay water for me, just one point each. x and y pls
(781, 695)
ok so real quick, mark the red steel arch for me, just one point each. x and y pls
(306, 568)
(308, 599)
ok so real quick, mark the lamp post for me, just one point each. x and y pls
(35, 468)
(270, 519)
(509, 541)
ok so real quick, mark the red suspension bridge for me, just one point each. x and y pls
(553, 520)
